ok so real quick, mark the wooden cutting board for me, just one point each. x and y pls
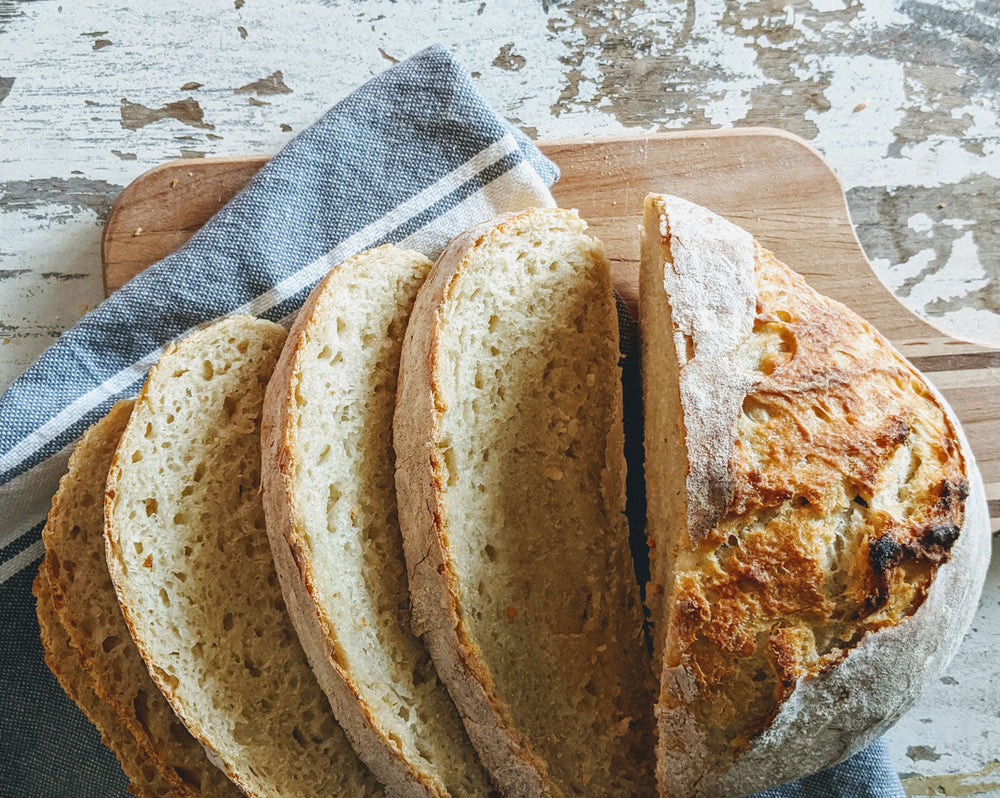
(767, 181)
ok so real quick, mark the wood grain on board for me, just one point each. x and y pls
(769, 182)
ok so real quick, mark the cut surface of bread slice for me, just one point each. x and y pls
(144, 780)
(330, 502)
(189, 558)
(88, 609)
(819, 526)
(510, 480)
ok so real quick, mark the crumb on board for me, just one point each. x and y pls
(137, 231)
(511, 613)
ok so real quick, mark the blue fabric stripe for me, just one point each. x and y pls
(15, 547)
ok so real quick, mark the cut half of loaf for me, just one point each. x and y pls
(819, 525)
(190, 561)
(510, 480)
(330, 503)
(77, 575)
(144, 780)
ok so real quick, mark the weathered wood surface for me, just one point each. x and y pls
(900, 95)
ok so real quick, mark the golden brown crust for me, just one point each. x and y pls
(849, 487)
(831, 409)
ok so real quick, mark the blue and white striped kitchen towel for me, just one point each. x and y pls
(413, 157)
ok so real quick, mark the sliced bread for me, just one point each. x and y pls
(144, 780)
(330, 503)
(81, 589)
(510, 481)
(819, 525)
(189, 558)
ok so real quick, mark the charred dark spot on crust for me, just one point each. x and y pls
(939, 538)
(951, 493)
(884, 554)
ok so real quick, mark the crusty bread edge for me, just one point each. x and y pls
(283, 516)
(437, 615)
(833, 715)
(78, 688)
(117, 416)
(118, 576)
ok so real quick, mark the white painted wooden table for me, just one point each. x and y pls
(903, 97)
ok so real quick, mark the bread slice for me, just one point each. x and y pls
(144, 780)
(330, 503)
(77, 574)
(510, 480)
(189, 558)
(820, 527)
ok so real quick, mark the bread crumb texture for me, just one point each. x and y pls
(531, 473)
(338, 459)
(77, 575)
(848, 491)
(191, 563)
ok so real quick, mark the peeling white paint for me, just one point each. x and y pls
(857, 140)
(920, 223)
(961, 274)
(895, 275)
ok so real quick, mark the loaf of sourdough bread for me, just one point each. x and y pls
(190, 561)
(330, 503)
(144, 780)
(77, 576)
(510, 482)
(819, 526)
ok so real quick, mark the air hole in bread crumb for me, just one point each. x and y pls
(754, 410)
(229, 406)
(164, 597)
(403, 712)
(227, 622)
(242, 346)
(149, 430)
(732, 540)
(136, 456)
(341, 326)
(110, 642)
(137, 545)
(151, 506)
(490, 552)
(199, 472)
(325, 353)
(298, 736)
